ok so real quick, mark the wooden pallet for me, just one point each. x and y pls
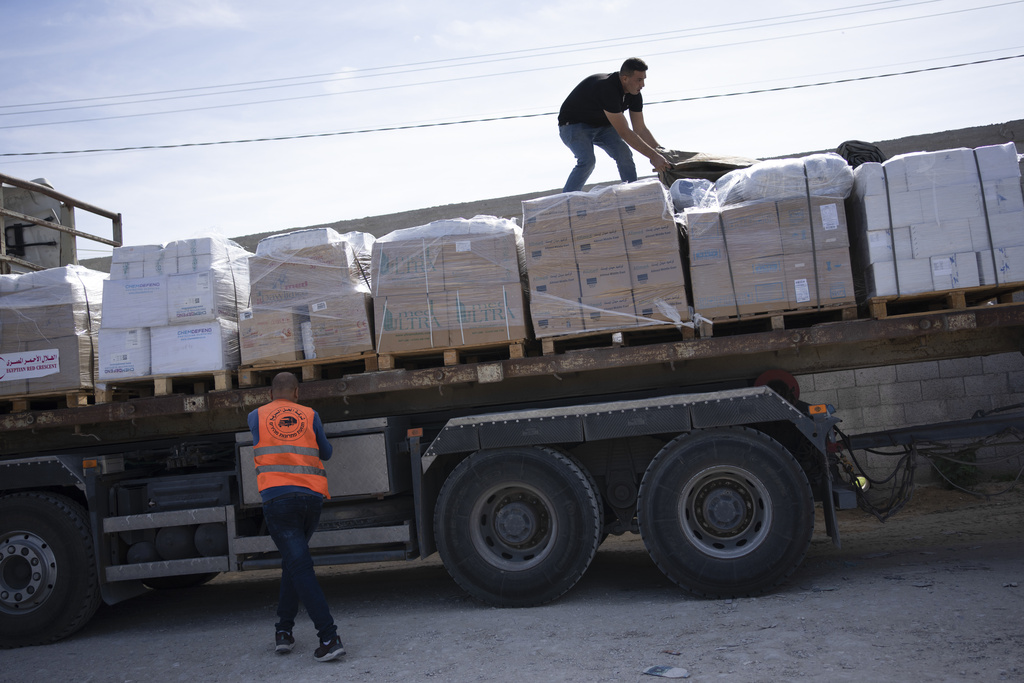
(880, 307)
(635, 336)
(260, 374)
(194, 383)
(452, 355)
(21, 403)
(776, 320)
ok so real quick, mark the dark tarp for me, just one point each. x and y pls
(856, 152)
(699, 165)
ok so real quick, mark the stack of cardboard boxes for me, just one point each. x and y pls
(310, 293)
(172, 309)
(777, 243)
(934, 221)
(48, 325)
(449, 283)
(769, 256)
(603, 260)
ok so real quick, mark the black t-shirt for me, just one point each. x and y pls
(595, 95)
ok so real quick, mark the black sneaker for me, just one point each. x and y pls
(285, 642)
(329, 650)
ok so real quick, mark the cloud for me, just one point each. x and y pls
(161, 14)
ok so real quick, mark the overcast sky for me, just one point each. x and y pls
(107, 74)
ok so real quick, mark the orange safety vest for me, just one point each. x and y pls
(287, 453)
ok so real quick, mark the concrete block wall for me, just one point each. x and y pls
(887, 397)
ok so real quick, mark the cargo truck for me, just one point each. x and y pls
(512, 469)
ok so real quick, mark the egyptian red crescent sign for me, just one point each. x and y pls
(29, 364)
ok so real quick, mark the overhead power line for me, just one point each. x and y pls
(526, 53)
(489, 75)
(492, 119)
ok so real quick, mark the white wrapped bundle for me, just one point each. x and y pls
(820, 175)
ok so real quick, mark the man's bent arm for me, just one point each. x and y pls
(631, 138)
(641, 129)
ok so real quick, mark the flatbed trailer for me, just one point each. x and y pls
(513, 470)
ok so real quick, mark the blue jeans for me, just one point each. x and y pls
(581, 138)
(291, 522)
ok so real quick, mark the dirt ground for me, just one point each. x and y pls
(934, 594)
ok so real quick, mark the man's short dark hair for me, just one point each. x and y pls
(283, 384)
(632, 64)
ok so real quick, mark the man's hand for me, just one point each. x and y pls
(660, 163)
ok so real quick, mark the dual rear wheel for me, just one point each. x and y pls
(722, 512)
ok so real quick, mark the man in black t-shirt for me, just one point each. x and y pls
(594, 113)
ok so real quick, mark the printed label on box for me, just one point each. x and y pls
(803, 292)
(29, 364)
(829, 217)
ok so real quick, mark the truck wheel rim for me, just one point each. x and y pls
(28, 570)
(725, 512)
(513, 527)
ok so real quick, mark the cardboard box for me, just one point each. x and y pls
(713, 295)
(760, 284)
(407, 267)
(486, 315)
(25, 323)
(931, 239)
(275, 283)
(593, 213)
(752, 231)
(135, 303)
(560, 280)
(545, 249)
(123, 353)
(611, 311)
(546, 214)
(268, 335)
(472, 260)
(340, 326)
(704, 238)
(656, 269)
(661, 304)
(955, 271)
(203, 347)
(996, 162)
(1006, 230)
(653, 237)
(411, 322)
(643, 203)
(554, 316)
(600, 275)
(801, 281)
(75, 357)
(835, 277)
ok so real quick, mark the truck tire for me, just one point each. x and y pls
(48, 578)
(517, 527)
(725, 512)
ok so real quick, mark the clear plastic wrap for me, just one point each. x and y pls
(187, 292)
(48, 325)
(769, 256)
(607, 259)
(693, 193)
(455, 282)
(309, 297)
(820, 175)
(934, 221)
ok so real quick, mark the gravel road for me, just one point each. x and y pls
(934, 594)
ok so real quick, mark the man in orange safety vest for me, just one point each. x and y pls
(289, 444)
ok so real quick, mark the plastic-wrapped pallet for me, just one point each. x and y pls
(607, 259)
(935, 221)
(449, 283)
(819, 175)
(787, 251)
(309, 297)
(48, 325)
(166, 305)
